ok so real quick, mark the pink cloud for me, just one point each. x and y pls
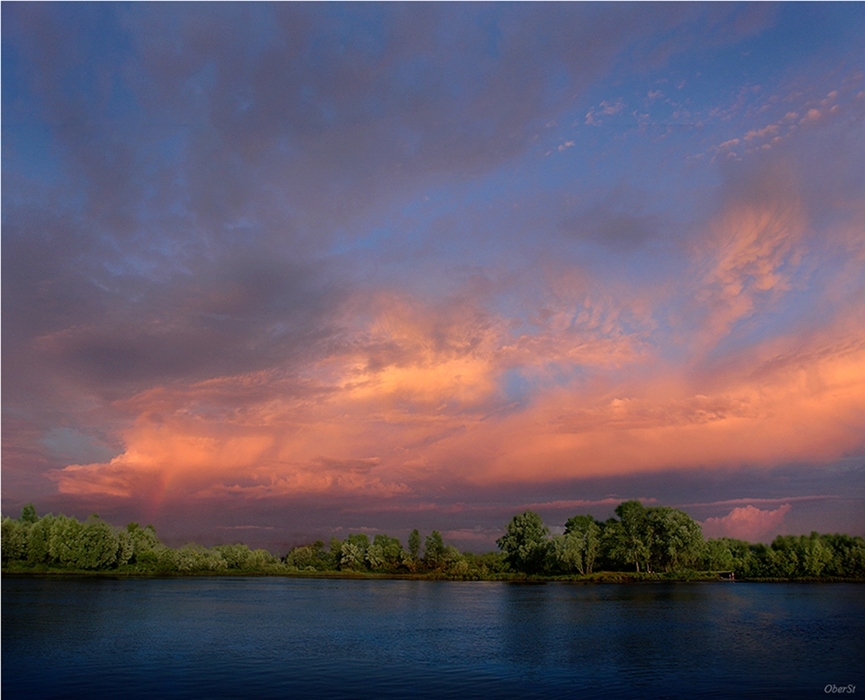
(414, 396)
(747, 523)
(750, 254)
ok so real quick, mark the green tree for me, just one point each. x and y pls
(14, 540)
(746, 557)
(588, 533)
(816, 555)
(375, 557)
(236, 556)
(414, 544)
(193, 557)
(453, 562)
(38, 540)
(97, 545)
(64, 542)
(353, 552)
(718, 556)
(567, 552)
(434, 548)
(779, 560)
(486, 564)
(525, 545)
(390, 551)
(335, 553)
(675, 539)
(262, 560)
(145, 545)
(848, 555)
(125, 547)
(28, 514)
(629, 540)
(67, 542)
(310, 557)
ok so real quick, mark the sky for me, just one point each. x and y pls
(280, 272)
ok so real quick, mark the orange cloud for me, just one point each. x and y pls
(381, 437)
(415, 395)
(807, 408)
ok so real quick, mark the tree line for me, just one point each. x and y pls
(649, 542)
(665, 540)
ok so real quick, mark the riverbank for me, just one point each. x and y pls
(600, 577)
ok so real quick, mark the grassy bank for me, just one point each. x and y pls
(600, 577)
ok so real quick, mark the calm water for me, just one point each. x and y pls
(300, 638)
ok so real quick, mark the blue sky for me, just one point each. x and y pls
(293, 269)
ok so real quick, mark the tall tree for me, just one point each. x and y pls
(353, 552)
(414, 544)
(392, 553)
(588, 533)
(28, 514)
(816, 555)
(434, 548)
(38, 540)
(567, 552)
(675, 539)
(631, 540)
(525, 543)
(145, 544)
(14, 540)
(97, 546)
(718, 556)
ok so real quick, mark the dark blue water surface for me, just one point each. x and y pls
(314, 638)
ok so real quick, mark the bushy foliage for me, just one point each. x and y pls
(577, 549)
(525, 543)
(60, 542)
(655, 541)
(311, 557)
(353, 553)
(15, 540)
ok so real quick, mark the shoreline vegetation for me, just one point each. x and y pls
(641, 545)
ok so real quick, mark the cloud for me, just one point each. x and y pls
(207, 136)
(605, 109)
(812, 111)
(747, 523)
(768, 130)
(584, 504)
(446, 391)
(751, 253)
(244, 527)
(620, 221)
(762, 501)
(275, 252)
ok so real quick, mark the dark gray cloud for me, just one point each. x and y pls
(209, 107)
(620, 221)
(240, 315)
(262, 129)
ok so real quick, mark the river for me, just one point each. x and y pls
(260, 638)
